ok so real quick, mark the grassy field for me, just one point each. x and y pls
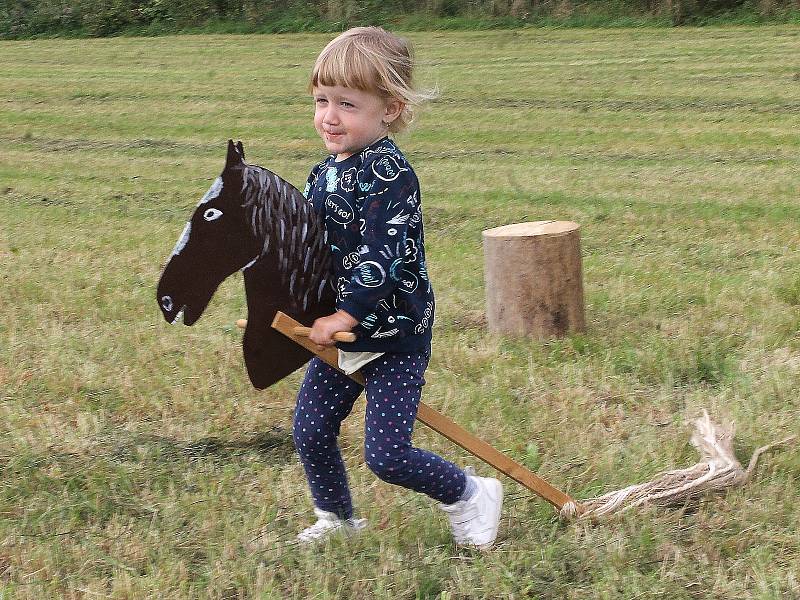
(136, 461)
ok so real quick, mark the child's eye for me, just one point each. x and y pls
(320, 100)
(347, 105)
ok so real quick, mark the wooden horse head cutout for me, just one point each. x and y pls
(254, 221)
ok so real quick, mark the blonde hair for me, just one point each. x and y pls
(373, 60)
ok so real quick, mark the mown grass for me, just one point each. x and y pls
(137, 461)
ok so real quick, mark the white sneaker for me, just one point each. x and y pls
(329, 524)
(474, 522)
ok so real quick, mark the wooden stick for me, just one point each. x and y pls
(441, 424)
(287, 326)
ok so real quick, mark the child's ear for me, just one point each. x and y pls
(393, 109)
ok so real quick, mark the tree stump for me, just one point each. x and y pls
(534, 284)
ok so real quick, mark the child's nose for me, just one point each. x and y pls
(331, 117)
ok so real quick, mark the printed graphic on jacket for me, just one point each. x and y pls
(373, 217)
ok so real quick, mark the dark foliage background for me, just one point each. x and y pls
(30, 18)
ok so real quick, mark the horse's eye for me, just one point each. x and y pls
(212, 214)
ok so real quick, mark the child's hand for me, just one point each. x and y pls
(323, 328)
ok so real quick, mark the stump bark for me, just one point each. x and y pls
(534, 283)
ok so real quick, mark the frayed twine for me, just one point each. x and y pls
(718, 469)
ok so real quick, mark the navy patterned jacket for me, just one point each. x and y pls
(373, 221)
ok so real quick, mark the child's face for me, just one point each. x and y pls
(348, 119)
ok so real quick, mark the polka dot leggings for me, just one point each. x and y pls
(394, 385)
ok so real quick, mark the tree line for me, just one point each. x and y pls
(28, 18)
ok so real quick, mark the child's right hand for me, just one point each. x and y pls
(324, 328)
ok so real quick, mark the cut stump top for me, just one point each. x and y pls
(532, 228)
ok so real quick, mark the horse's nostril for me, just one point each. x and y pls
(166, 303)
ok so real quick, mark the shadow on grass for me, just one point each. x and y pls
(273, 446)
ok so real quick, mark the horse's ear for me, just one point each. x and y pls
(234, 157)
(241, 148)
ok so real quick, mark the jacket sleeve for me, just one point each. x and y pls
(390, 194)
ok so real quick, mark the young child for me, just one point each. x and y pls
(370, 199)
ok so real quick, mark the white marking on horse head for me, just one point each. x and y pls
(210, 195)
(213, 191)
(181, 243)
(166, 303)
(178, 316)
